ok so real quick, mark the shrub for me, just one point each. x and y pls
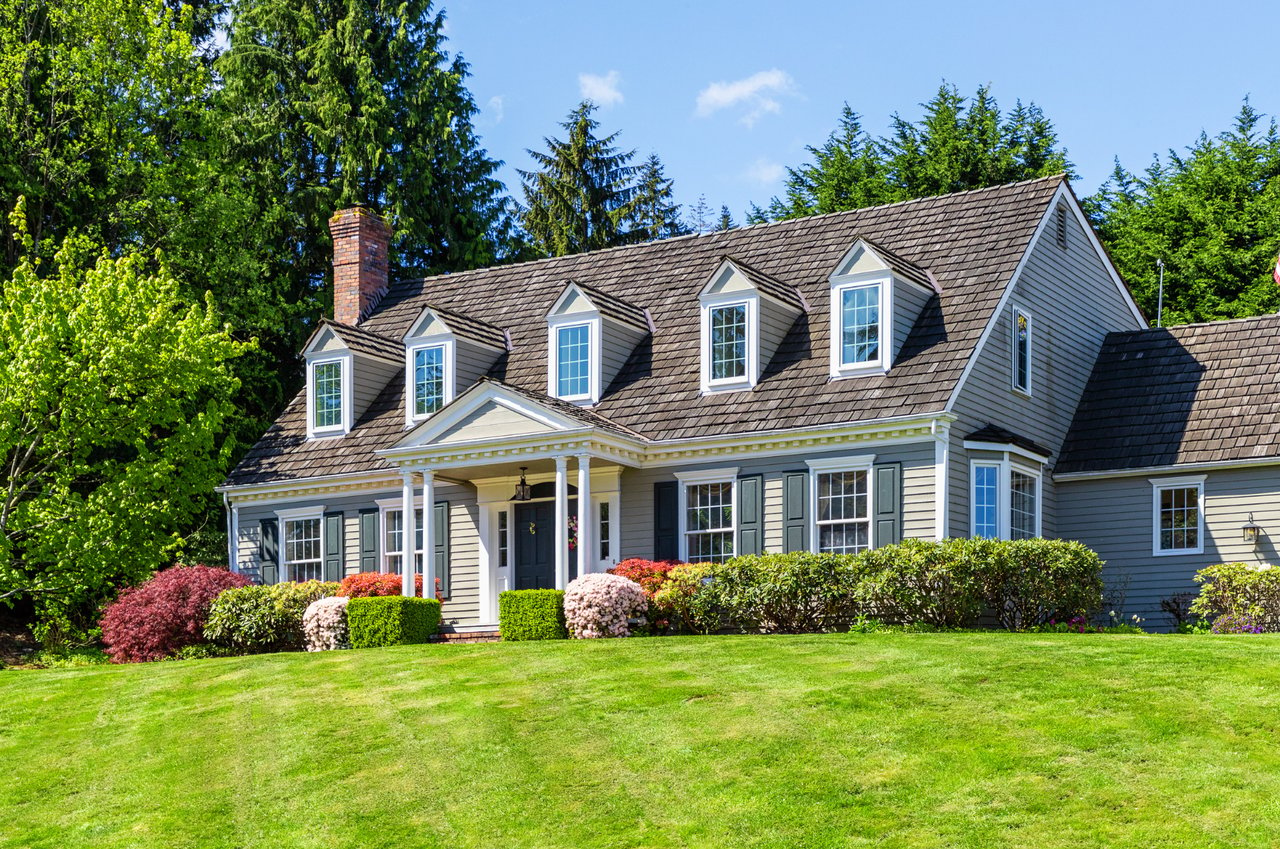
(918, 581)
(783, 593)
(264, 618)
(367, 584)
(652, 576)
(1032, 581)
(391, 620)
(600, 605)
(324, 624)
(70, 658)
(1236, 623)
(1239, 589)
(157, 618)
(202, 651)
(683, 600)
(531, 615)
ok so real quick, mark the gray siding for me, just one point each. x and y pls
(471, 362)
(908, 302)
(371, 376)
(775, 324)
(1073, 304)
(917, 486)
(1115, 518)
(617, 341)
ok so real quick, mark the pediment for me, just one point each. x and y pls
(572, 301)
(489, 411)
(428, 323)
(860, 259)
(325, 341)
(728, 278)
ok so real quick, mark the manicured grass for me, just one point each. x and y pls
(888, 740)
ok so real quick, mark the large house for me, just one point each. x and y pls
(970, 364)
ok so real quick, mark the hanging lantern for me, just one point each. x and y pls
(1250, 531)
(523, 490)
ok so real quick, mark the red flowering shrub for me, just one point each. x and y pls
(166, 613)
(367, 584)
(652, 576)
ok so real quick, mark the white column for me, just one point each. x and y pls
(586, 546)
(562, 522)
(406, 534)
(428, 534)
(233, 534)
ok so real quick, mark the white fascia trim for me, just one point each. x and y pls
(412, 346)
(694, 477)
(1062, 193)
(1005, 448)
(347, 374)
(591, 320)
(1189, 482)
(1016, 311)
(852, 463)
(864, 279)
(1216, 465)
(750, 300)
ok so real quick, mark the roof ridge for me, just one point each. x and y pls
(1198, 324)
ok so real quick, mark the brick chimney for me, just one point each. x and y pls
(360, 240)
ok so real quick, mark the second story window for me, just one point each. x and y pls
(859, 325)
(428, 380)
(573, 361)
(326, 396)
(728, 342)
(1021, 330)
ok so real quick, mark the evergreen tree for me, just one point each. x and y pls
(655, 214)
(725, 222)
(700, 216)
(1211, 214)
(582, 196)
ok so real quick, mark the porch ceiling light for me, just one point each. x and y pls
(1251, 531)
(523, 490)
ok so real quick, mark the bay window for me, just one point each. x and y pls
(1004, 500)
(1024, 498)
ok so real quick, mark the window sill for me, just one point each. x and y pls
(873, 370)
(1181, 552)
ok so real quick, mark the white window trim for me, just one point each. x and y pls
(591, 320)
(296, 514)
(862, 280)
(1004, 495)
(1189, 482)
(833, 465)
(1013, 350)
(392, 505)
(412, 346)
(344, 427)
(696, 478)
(751, 301)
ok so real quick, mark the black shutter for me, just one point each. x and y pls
(369, 540)
(666, 521)
(440, 541)
(333, 547)
(795, 511)
(750, 514)
(269, 550)
(888, 503)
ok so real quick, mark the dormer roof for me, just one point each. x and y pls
(889, 260)
(609, 306)
(765, 284)
(357, 339)
(460, 325)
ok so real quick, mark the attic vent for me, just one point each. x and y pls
(1062, 227)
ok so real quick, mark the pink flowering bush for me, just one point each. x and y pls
(324, 624)
(600, 605)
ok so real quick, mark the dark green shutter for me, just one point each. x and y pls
(888, 503)
(750, 514)
(666, 521)
(269, 550)
(333, 547)
(795, 511)
(440, 541)
(369, 540)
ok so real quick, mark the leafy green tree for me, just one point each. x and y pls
(1212, 214)
(655, 214)
(959, 143)
(115, 397)
(582, 196)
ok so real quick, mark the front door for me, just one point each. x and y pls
(535, 545)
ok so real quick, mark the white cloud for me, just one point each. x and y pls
(758, 93)
(602, 91)
(764, 172)
(496, 108)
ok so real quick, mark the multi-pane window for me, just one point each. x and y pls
(504, 549)
(708, 522)
(986, 500)
(302, 557)
(1179, 508)
(604, 530)
(428, 380)
(728, 341)
(859, 325)
(573, 361)
(843, 514)
(1021, 351)
(326, 401)
(1024, 515)
(393, 540)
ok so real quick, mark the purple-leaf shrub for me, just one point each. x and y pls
(164, 614)
(600, 605)
(324, 624)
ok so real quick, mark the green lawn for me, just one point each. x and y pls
(891, 740)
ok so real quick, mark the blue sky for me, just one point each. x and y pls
(728, 93)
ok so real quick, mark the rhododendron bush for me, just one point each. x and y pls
(155, 619)
(369, 584)
(324, 624)
(600, 605)
(652, 576)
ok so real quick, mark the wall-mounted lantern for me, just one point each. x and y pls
(523, 491)
(1251, 531)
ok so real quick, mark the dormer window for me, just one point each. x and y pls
(345, 368)
(859, 325)
(745, 316)
(572, 362)
(590, 337)
(327, 397)
(444, 353)
(728, 339)
(428, 379)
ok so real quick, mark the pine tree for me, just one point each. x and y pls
(725, 221)
(700, 216)
(655, 214)
(582, 196)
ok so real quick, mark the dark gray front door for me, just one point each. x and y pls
(535, 545)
